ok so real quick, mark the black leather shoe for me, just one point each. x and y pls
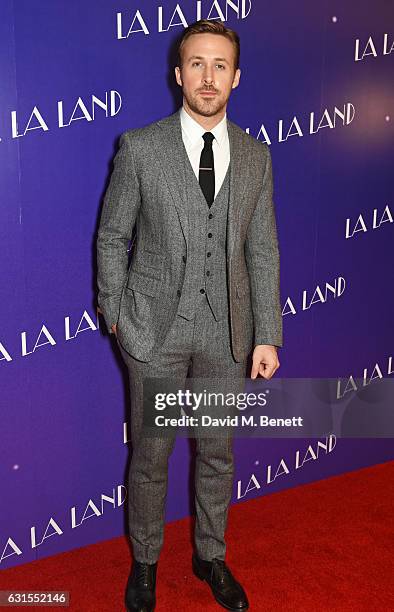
(141, 587)
(226, 590)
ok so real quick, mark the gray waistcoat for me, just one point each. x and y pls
(206, 258)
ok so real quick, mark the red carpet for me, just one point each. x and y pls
(323, 546)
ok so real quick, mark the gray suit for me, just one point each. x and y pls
(200, 283)
(148, 183)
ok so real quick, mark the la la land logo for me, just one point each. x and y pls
(283, 467)
(39, 535)
(31, 342)
(319, 295)
(373, 47)
(369, 376)
(329, 118)
(179, 16)
(88, 109)
(362, 222)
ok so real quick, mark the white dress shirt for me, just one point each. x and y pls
(192, 137)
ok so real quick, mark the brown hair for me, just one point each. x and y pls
(210, 27)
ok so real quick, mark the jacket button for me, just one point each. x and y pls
(209, 235)
(184, 258)
(178, 293)
(210, 216)
(202, 290)
(209, 254)
(207, 273)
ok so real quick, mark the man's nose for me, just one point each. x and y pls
(208, 75)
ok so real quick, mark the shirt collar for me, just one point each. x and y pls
(194, 130)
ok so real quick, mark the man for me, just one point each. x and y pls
(201, 291)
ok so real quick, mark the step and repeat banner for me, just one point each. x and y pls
(317, 87)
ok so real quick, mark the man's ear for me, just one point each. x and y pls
(178, 76)
(237, 76)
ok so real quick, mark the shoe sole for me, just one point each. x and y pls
(201, 577)
(129, 609)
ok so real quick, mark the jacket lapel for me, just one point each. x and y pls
(173, 157)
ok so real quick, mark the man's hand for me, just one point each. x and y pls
(113, 327)
(265, 361)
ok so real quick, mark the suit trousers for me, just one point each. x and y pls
(198, 348)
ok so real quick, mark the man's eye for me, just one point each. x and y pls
(196, 64)
(220, 66)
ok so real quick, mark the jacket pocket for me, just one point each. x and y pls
(149, 259)
(143, 284)
(148, 264)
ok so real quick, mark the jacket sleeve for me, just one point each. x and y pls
(262, 259)
(121, 204)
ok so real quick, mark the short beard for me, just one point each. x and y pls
(206, 108)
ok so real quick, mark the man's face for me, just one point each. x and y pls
(208, 74)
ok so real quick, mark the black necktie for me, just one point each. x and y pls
(207, 171)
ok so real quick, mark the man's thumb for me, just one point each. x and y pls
(255, 368)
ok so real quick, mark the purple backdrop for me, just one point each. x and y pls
(317, 87)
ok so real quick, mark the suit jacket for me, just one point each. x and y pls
(147, 193)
